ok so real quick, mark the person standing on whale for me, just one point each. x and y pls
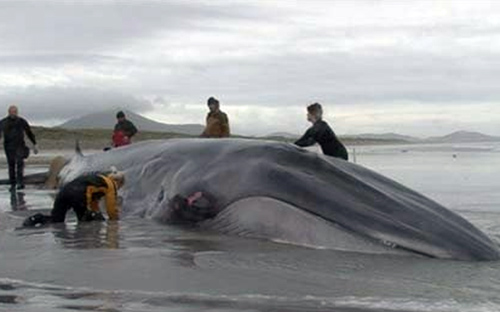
(217, 121)
(124, 130)
(322, 134)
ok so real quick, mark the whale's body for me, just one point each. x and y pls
(279, 191)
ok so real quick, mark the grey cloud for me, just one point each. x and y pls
(343, 78)
(445, 30)
(282, 77)
(64, 103)
(160, 100)
(86, 26)
(55, 59)
(296, 64)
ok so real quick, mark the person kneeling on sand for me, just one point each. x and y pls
(83, 195)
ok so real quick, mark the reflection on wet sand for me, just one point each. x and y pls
(17, 201)
(158, 268)
(90, 235)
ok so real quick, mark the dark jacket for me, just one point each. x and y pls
(13, 130)
(86, 190)
(217, 125)
(127, 127)
(322, 134)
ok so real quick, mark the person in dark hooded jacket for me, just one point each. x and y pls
(124, 130)
(13, 128)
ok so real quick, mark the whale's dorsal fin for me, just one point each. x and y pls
(78, 149)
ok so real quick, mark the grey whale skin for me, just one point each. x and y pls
(262, 185)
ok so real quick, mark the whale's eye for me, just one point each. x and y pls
(389, 244)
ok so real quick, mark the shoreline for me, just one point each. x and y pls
(97, 139)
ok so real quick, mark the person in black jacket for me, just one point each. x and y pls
(124, 130)
(322, 134)
(83, 195)
(13, 129)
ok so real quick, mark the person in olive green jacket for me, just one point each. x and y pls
(217, 121)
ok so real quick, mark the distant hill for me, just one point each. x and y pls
(385, 136)
(366, 138)
(463, 137)
(285, 135)
(455, 137)
(107, 120)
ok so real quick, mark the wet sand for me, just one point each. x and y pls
(139, 265)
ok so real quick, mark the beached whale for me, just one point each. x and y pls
(279, 191)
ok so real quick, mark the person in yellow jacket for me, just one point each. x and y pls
(217, 121)
(83, 195)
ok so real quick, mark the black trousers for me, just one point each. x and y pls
(70, 196)
(15, 161)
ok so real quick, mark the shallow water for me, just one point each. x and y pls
(139, 265)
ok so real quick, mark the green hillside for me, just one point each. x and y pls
(57, 138)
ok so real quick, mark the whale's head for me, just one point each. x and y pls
(344, 195)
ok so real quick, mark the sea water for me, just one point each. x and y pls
(140, 265)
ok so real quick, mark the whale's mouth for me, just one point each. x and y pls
(270, 218)
(274, 219)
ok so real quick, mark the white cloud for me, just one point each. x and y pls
(416, 67)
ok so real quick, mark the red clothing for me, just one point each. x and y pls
(120, 139)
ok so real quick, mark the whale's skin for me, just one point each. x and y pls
(338, 194)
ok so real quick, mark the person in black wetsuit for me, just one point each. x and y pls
(13, 129)
(322, 134)
(83, 195)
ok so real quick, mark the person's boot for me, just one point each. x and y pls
(12, 179)
(20, 175)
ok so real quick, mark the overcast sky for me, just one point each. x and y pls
(414, 67)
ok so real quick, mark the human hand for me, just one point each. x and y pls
(35, 149)
(90, 215)
(36, 220)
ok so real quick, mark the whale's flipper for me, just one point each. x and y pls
(56, 165)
